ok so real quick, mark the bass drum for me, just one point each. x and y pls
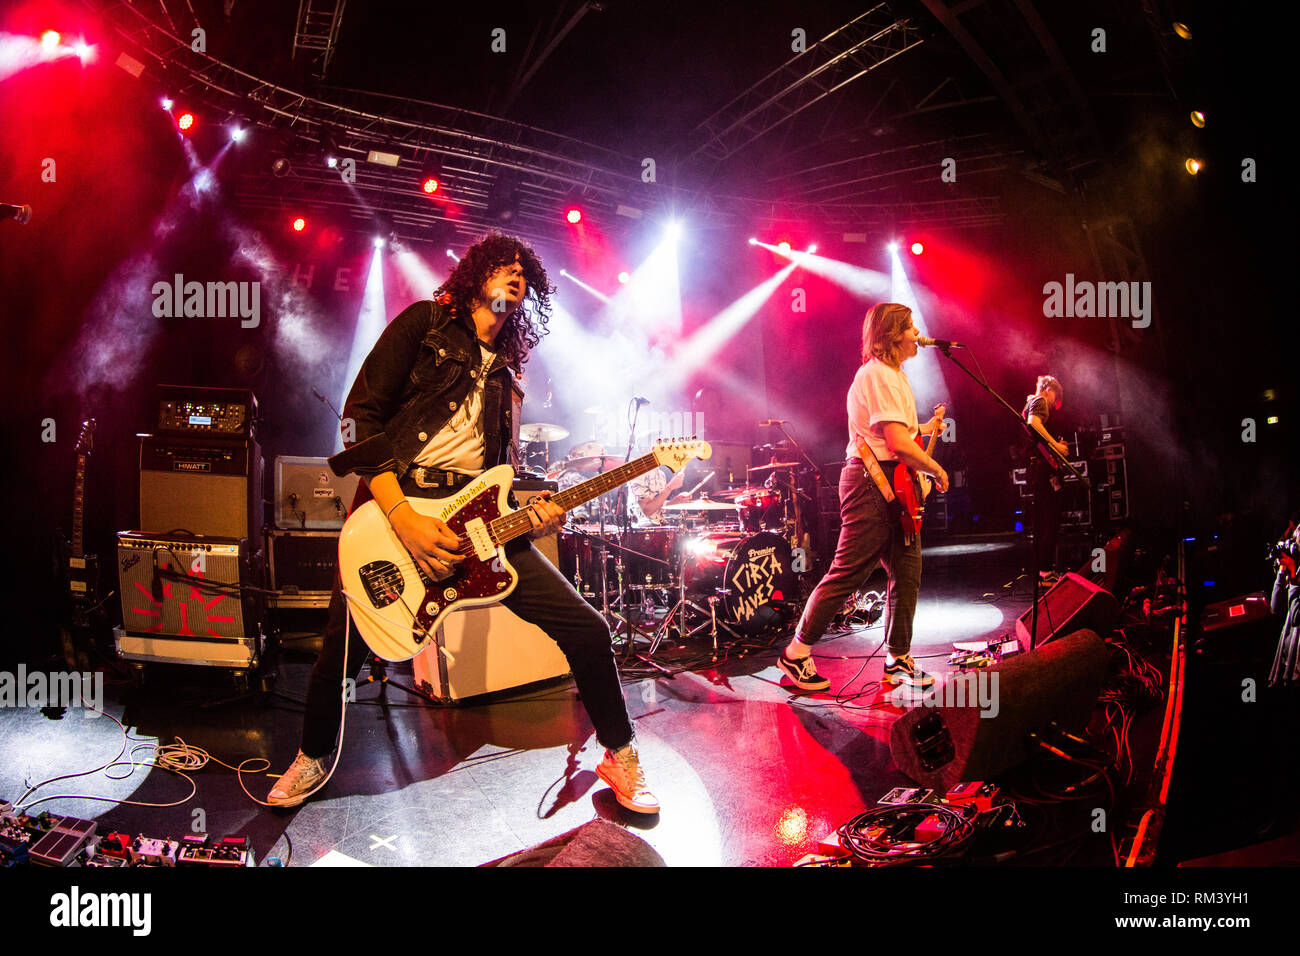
(755, 571)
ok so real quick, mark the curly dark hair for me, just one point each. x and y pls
(463, 291)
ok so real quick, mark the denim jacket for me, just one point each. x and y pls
(409, 387)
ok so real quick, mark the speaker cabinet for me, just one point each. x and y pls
(302, 565)
(210, 620)
(943, 745)
(1070, 604)
(489, 649)
(201, 485)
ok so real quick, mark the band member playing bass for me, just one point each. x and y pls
(882, 413)
(431, 409)
(1043, 478)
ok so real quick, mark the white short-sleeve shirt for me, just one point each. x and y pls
(879, 394)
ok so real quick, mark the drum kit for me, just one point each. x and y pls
(731, 562)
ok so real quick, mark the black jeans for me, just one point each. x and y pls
(869, 533)
(1046, 514)
(542, 597)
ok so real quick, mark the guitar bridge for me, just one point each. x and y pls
(382, 582)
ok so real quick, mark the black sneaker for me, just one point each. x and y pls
(905, 671)
(803, 673)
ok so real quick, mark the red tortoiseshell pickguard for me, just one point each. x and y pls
(474, 579)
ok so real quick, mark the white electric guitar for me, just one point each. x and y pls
(397, 607)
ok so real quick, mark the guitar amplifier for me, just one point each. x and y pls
(302, 565)
(206, 617)
(309, 496)
(206, 486)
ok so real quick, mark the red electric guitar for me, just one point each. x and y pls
(912, 487)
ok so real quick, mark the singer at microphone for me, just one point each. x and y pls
(943, 344)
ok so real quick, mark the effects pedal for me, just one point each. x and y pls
(146, 851)
(901, 795)
(974, 793)
(230, 852)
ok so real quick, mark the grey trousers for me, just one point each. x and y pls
(868, 533)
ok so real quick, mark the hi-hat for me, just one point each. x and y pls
(540, 431)
(774, 465)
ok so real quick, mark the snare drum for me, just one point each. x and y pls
(755, 570)
(759, 509)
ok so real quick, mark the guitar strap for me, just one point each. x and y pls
(872, 464)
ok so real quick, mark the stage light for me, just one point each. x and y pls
(299, 224)
(85, 52)
(332, 162)
(1272, 420)
(783, 245)
(623, 277)
(1198, 119)
(430, 186)
(1182, 30)
(892, 246)
(453, 255)
(237, 134)
(50, 39)
(573, 215)
(167, 103)
(753, 241)
(281, 167)
(185, 122)
(431, 175)
(379, 242)
(674, 230)
(917, 248)
(1193, 165)
(812, 248)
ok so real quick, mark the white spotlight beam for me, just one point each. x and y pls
(720, 329)
(578, 282)
(370, 324)
(924, 372)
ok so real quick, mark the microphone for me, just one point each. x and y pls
(641, 401)
(772, 421)
(944, 344)
(21, 213)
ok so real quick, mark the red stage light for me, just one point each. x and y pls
(917, 248)
(50, 39)
(430, 185)
(185, 122)
(784, 245)
(574, 215)
(299, 224)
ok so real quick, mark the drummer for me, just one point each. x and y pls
(648, 494)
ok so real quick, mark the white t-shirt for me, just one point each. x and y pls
(645, 486)
(459, 446)
(879, 394)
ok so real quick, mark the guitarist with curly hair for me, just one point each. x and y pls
(431, 410)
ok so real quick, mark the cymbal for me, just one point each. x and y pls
(700, 506)
(595, 463)
(540, 431)
(729, 494)
(586, 450)
(774, 465)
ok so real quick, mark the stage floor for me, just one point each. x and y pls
(748, 772)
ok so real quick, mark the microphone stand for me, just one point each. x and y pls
(1034, 440)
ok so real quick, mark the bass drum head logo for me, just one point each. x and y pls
(762, 582)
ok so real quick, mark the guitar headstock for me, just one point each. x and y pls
(676, 453)
(86, 440)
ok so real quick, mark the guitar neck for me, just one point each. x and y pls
(517, 523)
(78, 503)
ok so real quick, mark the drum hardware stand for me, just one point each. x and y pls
(819, 477)
(679, 609)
